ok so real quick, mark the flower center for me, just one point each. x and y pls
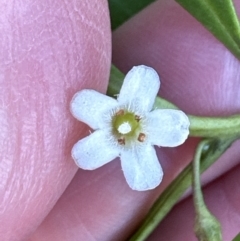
(126, 127)
(125, 123)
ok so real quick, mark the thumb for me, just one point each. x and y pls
(49, 50)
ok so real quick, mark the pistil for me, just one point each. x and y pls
(126, 126)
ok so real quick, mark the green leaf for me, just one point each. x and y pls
(220, 18)
(237, 238)
(122, 10)
(230, 21)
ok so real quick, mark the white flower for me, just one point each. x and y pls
(127, 127)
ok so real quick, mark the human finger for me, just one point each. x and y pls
(49, 51)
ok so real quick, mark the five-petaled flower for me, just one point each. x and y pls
(128, 127)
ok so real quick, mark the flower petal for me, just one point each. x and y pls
(167, 128)
(89, 106)
(94, 151)
(141, 168)
(140, 86)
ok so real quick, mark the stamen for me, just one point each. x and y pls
(121, 141)
(141, 137)
(120, 112)
(137, 118)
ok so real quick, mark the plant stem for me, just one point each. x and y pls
(214, 126)
(207, 227)
(211, 151)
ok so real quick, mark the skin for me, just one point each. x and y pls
(49, 51)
